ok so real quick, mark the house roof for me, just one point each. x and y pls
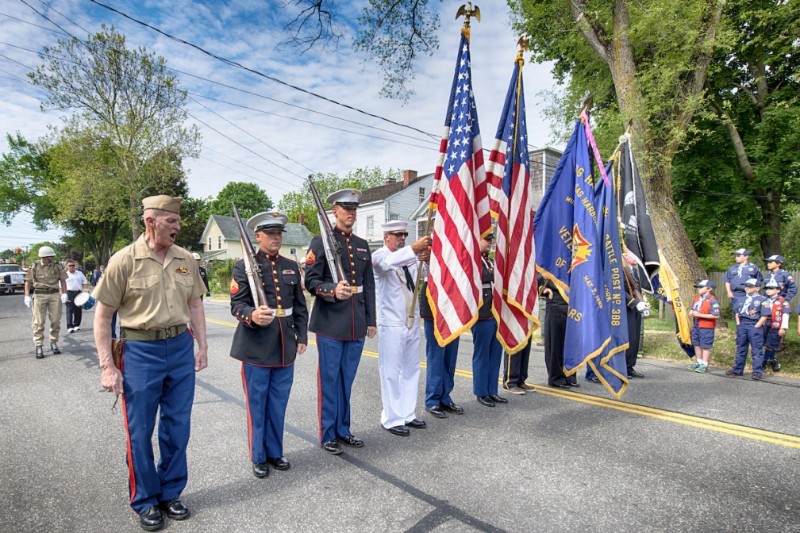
(296, 234)
(382, 192)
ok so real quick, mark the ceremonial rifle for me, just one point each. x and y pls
(329, 242)
(251, 266)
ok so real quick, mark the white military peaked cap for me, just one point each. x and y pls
(394, 225)
(345, 198)
(267, 220)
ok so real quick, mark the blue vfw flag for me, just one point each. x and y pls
(570, 250)
(610, 366)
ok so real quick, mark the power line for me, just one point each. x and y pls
(257, 72)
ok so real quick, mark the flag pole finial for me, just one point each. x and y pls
(467, 11)
(523, 45)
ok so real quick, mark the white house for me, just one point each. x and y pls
(392, 201)
(221, 239)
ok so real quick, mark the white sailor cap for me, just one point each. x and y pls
(345, 198)
(270, 220)
(394, 225)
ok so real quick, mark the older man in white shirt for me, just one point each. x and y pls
(395, 269)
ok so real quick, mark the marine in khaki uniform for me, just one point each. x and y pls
(46, 291)
(155, 287)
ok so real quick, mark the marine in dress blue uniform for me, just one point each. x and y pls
(156, 288)
(736, 275)
(441, 365)
(487, 351)
(750, 319)
(343, 314)
(267, 341)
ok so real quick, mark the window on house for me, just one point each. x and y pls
(393, 216)
(370, 226)
(422, 195)
(219, 242)
(209, 244)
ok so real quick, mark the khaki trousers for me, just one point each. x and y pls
(46, 305)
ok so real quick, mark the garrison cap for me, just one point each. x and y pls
(752, 282)
(772, 284)
(394, 225)
(742, 251)
(164, 203)
(345, 198)
(777, 258)
(705, 283)
(270, 220)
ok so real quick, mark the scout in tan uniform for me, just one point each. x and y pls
(47, 281)
(155, 287)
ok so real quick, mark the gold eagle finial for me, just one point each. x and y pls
(467, 11)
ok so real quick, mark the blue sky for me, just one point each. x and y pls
(251, 32)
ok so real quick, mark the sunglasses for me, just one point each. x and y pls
(399, 233)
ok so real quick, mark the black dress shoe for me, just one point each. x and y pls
(498, 399)
(55, 348)
(574, 384)
(453, 408)
(400, 431)
(39, 352)
(593, 379)
(332, 447)
(417, 424)
(559, 386)
(350, 440)
(151, 519)
(436, 411)
(260, 470)
(176, 510)
(634, 374)
(485, 400)
(279, 463)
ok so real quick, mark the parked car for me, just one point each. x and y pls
(12, 278)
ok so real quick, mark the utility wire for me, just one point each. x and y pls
(259, 73)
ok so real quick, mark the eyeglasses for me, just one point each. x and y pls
(399, 233)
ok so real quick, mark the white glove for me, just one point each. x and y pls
(642, 306)
(63, 297)
(27, 301)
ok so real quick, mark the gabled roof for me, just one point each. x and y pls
(227, 226)
(383, 192)
(296, 235)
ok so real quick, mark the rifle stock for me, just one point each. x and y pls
(329, 242)
(411, 311)
(251, 266)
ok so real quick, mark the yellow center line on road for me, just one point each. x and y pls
(747, 432)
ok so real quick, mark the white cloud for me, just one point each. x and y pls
(250, 32)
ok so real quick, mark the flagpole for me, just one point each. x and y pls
(467, 11)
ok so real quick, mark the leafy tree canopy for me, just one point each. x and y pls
(248, 197)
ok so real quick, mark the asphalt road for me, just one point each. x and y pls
(681, 452)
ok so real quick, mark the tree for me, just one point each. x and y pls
(295, 204)
(753, 93)
(391, 33)
(24, 177)
(646, 64)
(248, 197)
(127, 100)
(194, 216)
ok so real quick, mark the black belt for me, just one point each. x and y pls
(45, 291)
(152, 334)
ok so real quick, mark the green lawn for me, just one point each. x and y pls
(660, 343)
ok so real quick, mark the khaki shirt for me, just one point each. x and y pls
(150, 295)
(47, 276)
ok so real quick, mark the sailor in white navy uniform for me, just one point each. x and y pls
(395, 269)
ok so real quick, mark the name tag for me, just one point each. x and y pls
(288, 272)
(362, 250)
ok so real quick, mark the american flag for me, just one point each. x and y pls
(460, 197)
(515, 302)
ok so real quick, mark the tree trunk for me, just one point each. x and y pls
(770, 204)
(670, 233)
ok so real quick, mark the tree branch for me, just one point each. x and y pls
(593, 34)
(736, 139)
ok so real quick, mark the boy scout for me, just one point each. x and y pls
(736, 275)
(750, 319)
(343, 314)
(777, 323)
(47, 281)
(267, 340)
(156, 288)
(704, 312)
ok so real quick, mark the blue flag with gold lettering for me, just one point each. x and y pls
(610, 366)
(570, 251)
